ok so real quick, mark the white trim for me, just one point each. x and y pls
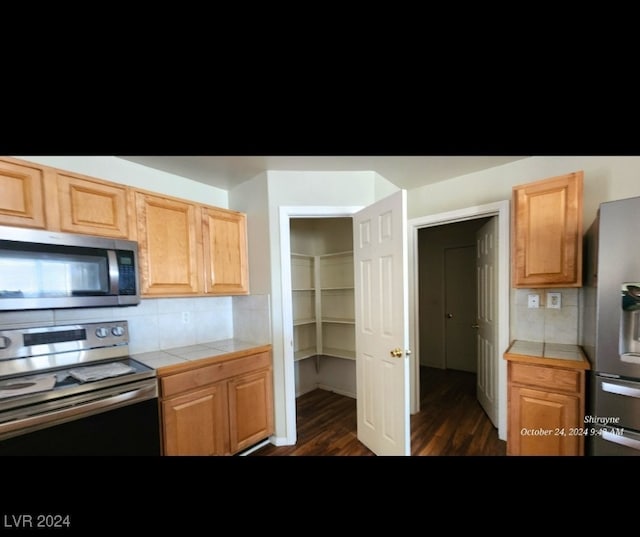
(286, 213)
(279, 440)
(502, 210)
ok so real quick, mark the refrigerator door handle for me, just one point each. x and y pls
(622, 440)
(621, 390)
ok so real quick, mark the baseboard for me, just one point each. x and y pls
(339, 392)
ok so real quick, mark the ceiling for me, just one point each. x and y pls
(408, 172)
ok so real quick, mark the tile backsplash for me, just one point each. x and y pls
(164, 323)
(545, 324)
(252, 317)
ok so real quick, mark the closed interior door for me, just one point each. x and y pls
(460, 308)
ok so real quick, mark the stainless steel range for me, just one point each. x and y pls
(74, 390)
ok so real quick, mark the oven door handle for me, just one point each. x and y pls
(80, 410)
(619, 439)
(620, 390)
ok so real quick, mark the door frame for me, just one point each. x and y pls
(501, 210)
(286, 213)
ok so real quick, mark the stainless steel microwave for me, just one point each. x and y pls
(48, 270)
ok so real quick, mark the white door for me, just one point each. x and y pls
(486, 267)
(382, 327)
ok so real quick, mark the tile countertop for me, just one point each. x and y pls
(539, 352)
(183, 358)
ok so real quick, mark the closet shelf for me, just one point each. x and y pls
(299, 322)
(337, 320)
(337, 288)
(339, 353)
(303, 354)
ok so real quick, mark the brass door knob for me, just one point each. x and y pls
(397, 352)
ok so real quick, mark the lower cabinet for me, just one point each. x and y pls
(197, 423)
(546, 406)
(220, 408)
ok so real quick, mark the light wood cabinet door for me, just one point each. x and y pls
(547, 232)
(250, 409)
(225, 251)
(92, 207)
(196, 423)
(543, 423)
(22, 195)
(168, 246)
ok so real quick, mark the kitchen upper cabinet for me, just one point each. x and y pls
(189, 249)
(547, 232)
(185, 248)
(225, 251)
(92, 206)
(22, 194)
(169, 246)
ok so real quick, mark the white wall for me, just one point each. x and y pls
(252, 314)
(251, 198)
(129, 173)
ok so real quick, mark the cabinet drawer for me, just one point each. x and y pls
(546, 377)
(182, 382)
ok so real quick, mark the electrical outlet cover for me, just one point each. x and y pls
(554, 300)
(533, 301)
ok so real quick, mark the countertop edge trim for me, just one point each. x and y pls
(582, 364)
(202, 362)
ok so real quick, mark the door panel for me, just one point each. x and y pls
(381, 293)
(486, 268)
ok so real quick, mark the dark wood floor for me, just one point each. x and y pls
(450, 422)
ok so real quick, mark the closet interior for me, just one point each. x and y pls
(323, 304)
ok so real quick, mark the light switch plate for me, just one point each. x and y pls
(533, 301)
(554, 300)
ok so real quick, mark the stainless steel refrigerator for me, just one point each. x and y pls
(610, 329)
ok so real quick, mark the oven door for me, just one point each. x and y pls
(609, 441)
(121, 420)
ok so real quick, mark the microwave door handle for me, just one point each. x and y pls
(114, 272)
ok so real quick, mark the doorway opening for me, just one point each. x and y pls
(323, 305)
(450, 281)
(495, 334)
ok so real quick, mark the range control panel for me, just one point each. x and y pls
(39, 341)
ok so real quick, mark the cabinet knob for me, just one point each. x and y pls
(449, 315)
